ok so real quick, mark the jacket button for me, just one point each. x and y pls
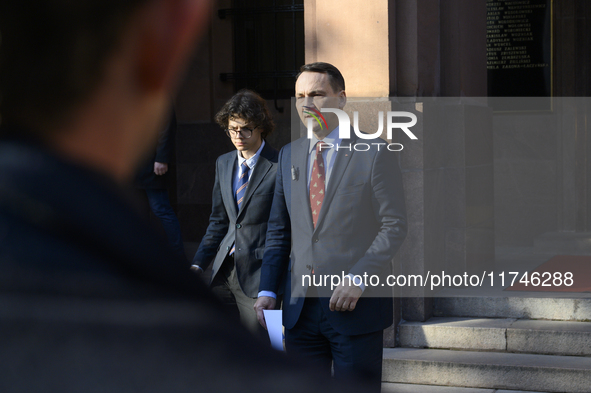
(308, 267)
(228, 248)
(238, 226)
(315, 240)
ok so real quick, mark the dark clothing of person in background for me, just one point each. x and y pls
(156, 186)
(146, 179)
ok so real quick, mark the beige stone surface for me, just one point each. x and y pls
(353, 36)
(456, 333)
(490, 370)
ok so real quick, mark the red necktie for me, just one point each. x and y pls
(317, 182)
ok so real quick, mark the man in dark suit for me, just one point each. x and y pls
(242, 196)
(337, 212)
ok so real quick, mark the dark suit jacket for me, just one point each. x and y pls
(247, 227)
(361, 225)
(93, 301)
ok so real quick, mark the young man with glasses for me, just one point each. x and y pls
(242, 196)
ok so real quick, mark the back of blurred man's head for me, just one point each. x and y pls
(61, 61)
(53, 53)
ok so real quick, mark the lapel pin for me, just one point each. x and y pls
(295, 173)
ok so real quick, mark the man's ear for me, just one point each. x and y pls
(168, 30)
(342, 99)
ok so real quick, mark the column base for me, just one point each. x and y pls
(563, 243)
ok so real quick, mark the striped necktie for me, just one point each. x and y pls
(241, 191)
(242, 184)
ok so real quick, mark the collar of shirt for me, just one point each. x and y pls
(251, 162)
(332, 138)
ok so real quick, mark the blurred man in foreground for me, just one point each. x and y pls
(90, 299)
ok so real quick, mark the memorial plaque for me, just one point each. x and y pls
(519, 49)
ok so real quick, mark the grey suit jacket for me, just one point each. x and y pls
(360, 228)
(247, 227)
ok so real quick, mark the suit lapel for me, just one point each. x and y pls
(299, 190)
(226, 184)
(259, 172)
(340, 165)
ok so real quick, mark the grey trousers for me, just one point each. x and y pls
(226, 286)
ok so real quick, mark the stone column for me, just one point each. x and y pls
(448, 180)
(441, 51)
(571, 79)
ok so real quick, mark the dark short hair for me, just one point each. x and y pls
(337, 82)
(249, 106)
(53, 54)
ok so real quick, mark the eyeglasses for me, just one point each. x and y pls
(244, 131)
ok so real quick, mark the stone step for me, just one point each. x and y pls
(408, 388)
(563, 243)
(559, 307)
(487, 370)
(508, 335)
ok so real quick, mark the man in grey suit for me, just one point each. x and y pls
(337, 211)
(242, 196)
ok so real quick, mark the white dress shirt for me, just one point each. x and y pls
(251, 162)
